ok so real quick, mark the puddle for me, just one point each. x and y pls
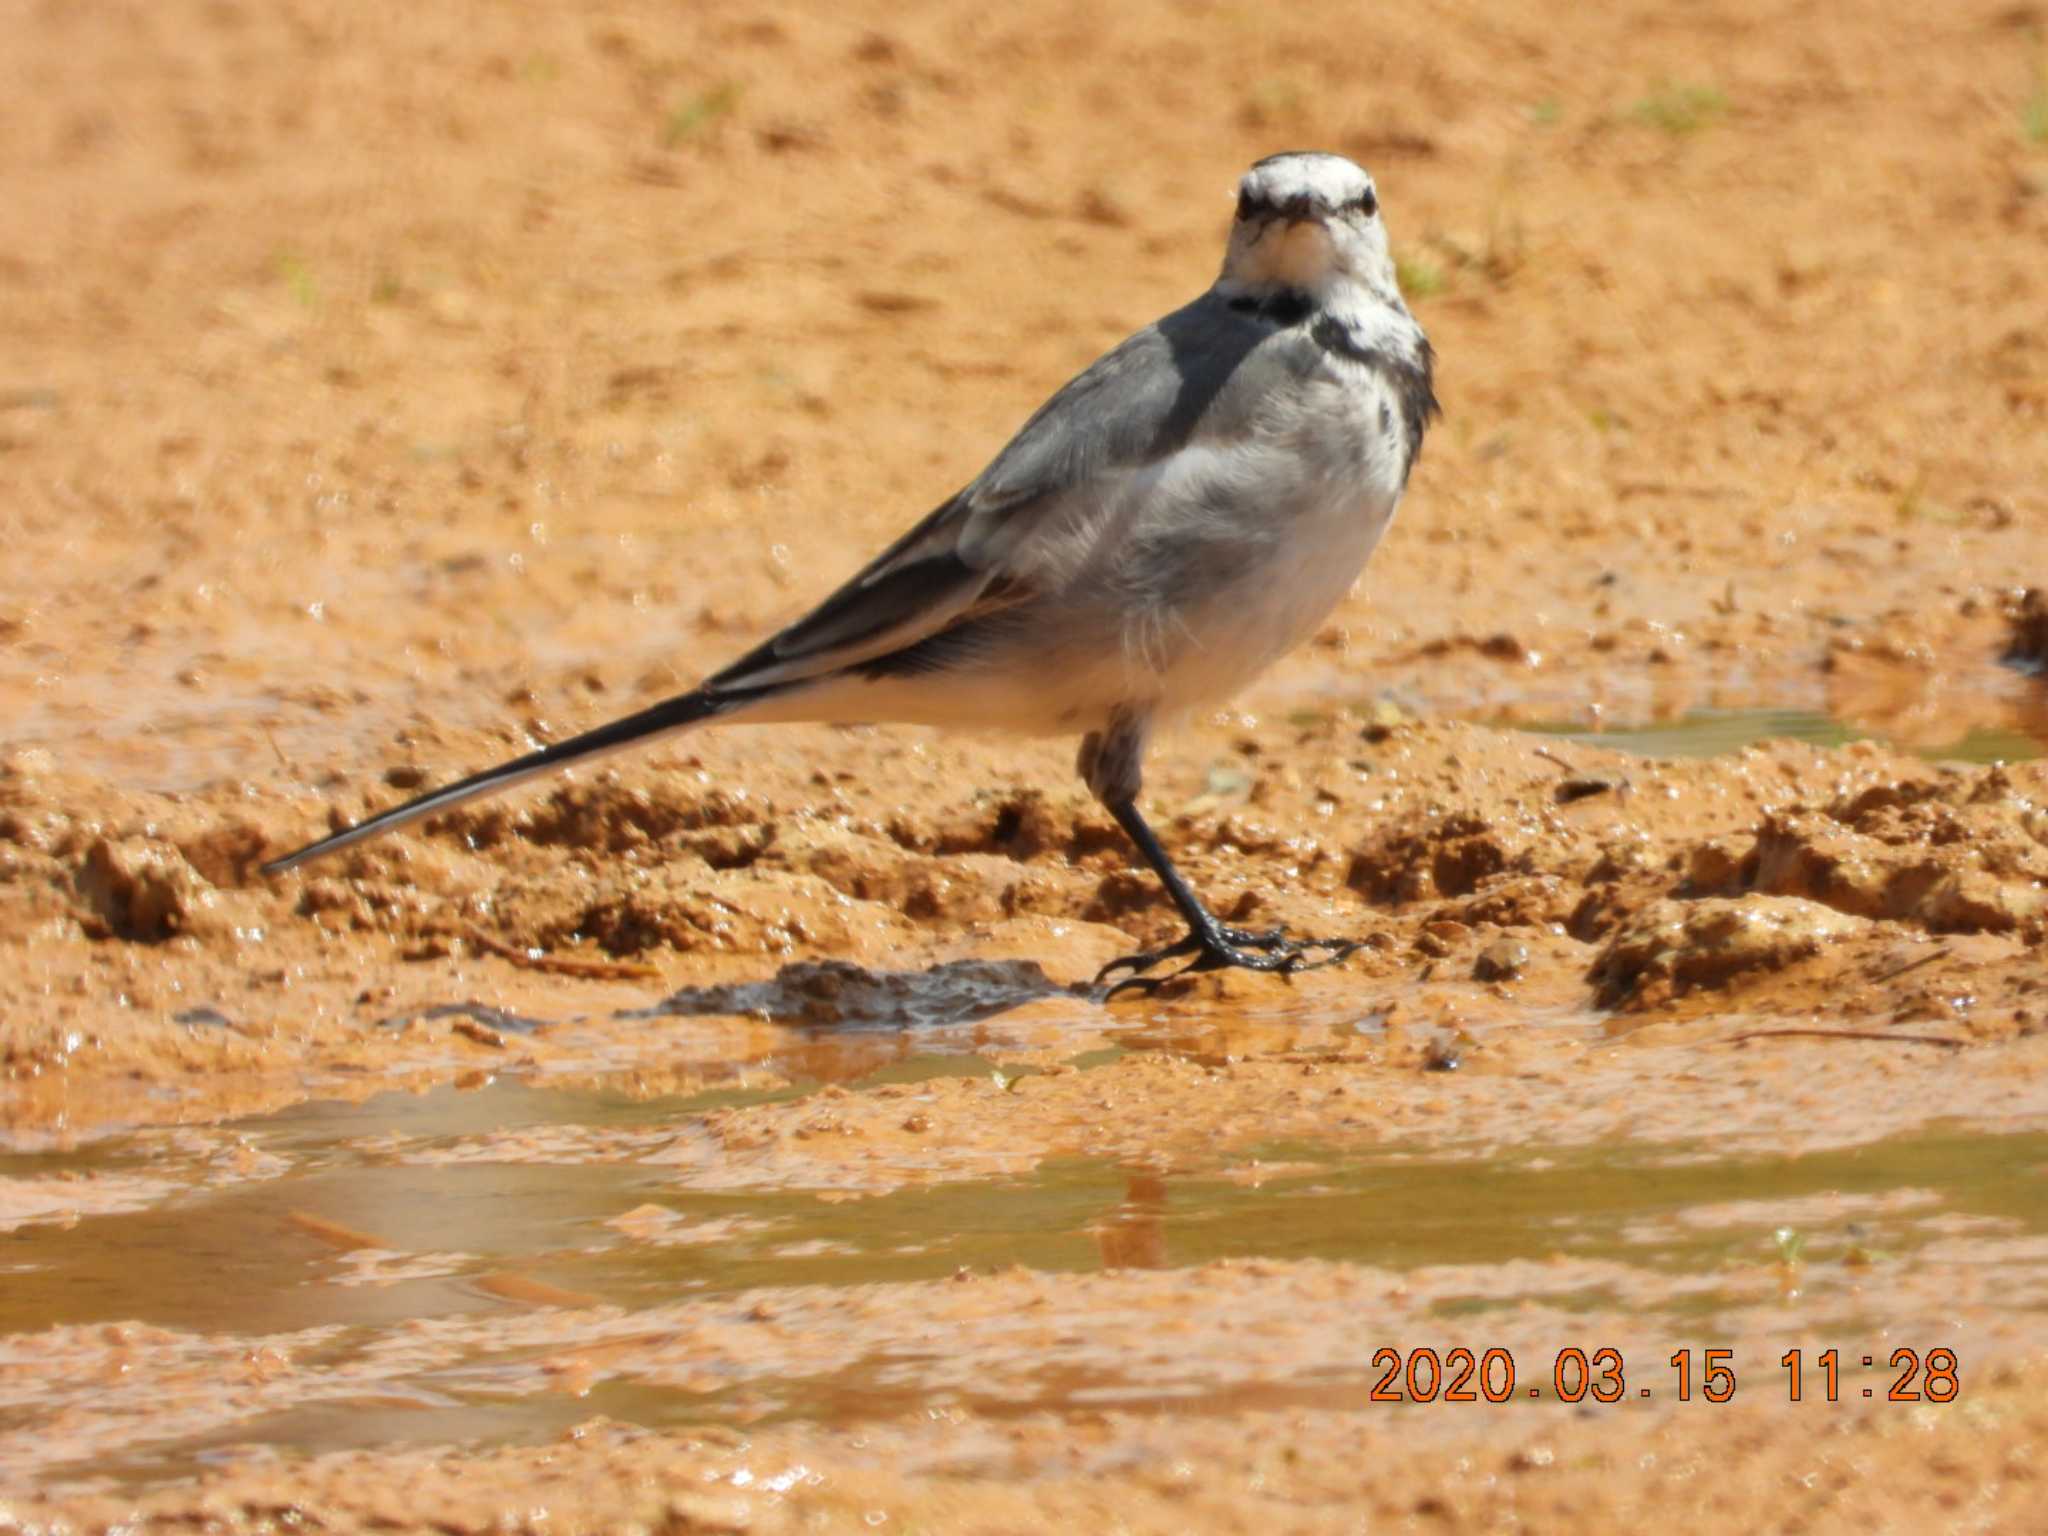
(497, 1264)
(1716, 733)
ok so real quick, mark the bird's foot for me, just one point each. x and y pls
(1218, 948)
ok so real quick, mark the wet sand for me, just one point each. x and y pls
(729, 1137)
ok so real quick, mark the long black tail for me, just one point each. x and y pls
(656, 720)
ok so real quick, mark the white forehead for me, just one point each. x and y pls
(1330, 179)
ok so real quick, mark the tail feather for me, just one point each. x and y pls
(656, 720)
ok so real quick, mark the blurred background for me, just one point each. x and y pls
(386, 388)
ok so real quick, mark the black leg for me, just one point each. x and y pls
(1213, 945)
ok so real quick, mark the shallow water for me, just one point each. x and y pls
(1714, 733)
(423, 1265)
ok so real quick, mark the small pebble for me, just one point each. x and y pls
(1500, 960)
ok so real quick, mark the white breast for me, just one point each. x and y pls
(1311, 506)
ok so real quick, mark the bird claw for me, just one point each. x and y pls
(1224, 948)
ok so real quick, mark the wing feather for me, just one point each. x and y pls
(1133, 406)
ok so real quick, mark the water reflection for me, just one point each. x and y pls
(457, 1264)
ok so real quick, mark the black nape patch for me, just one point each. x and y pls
(1286, 306)
(1413, 383)
(1333, 335)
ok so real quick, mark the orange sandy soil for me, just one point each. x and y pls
(387, 391)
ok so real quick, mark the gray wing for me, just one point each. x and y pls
(1136, 404)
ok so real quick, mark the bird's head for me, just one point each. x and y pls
(1309, 222)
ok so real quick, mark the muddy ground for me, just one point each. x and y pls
(728, 1138)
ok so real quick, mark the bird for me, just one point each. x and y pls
(1172, 521)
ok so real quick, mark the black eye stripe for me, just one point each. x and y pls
(1367, 203)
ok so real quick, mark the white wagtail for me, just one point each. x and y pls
(1165, 527)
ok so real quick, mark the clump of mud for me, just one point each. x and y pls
(2027, 615)
(1671, 948)
(1443, 846)
(1706, 880)
(834, 992)
(141, 889)
(1972, 861)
